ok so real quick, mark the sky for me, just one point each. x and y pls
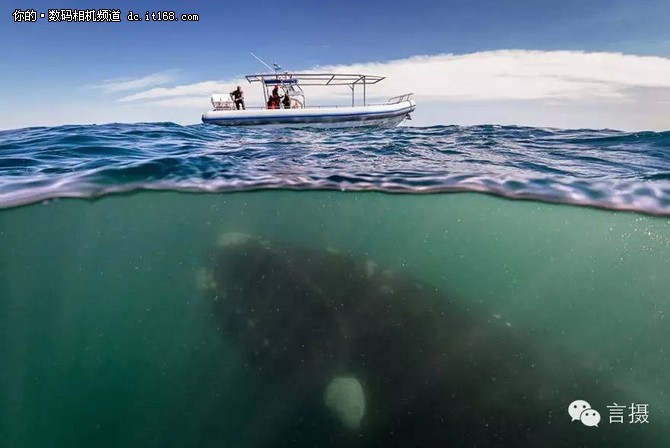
(566, 64)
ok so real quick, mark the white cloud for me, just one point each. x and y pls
(534, 88)
(485, 76)
(205, 88)
(120, 85)
(520, 75)
(194, 102)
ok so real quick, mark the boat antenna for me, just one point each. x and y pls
(261, 61)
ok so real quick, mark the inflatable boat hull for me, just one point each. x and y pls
(385, 115)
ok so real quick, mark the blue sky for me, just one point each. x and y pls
(61, 63)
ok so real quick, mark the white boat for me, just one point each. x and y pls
(300, 114)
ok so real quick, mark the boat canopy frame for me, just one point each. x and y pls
(317, 79)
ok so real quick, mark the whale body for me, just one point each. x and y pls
(431, 372)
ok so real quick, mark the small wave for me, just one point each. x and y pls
(601, 168)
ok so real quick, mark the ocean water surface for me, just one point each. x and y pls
(163, 285)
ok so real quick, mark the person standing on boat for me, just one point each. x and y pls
(287, 100)
(238, 97)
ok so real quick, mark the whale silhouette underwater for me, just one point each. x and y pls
(356, 355)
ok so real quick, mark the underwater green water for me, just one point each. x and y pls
(106, 340)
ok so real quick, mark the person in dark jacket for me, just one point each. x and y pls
(238, 97)
(286, 101)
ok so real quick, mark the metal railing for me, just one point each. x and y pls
(282, 108)
(399, 98)
(392, 100)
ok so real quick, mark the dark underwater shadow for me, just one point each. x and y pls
(421, 368)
